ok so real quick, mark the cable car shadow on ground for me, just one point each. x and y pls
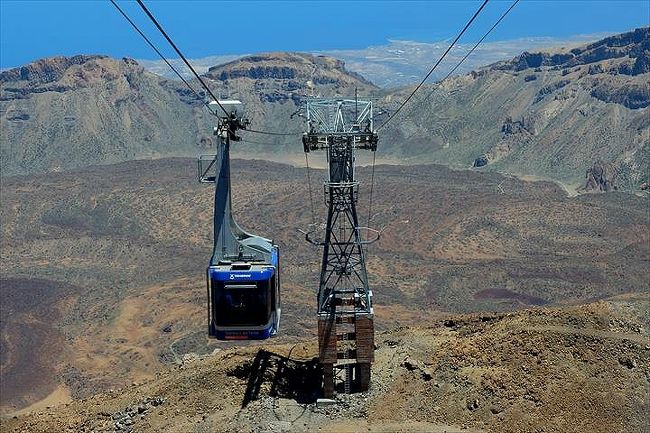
(275, 375)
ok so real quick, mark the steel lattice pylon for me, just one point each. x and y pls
(341, 127)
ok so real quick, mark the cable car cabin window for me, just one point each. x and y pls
(241, 304)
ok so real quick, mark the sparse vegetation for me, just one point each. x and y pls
(135, 238)
(502, 304)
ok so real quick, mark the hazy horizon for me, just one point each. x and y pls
(70, 27)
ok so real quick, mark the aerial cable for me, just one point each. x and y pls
(158, 52)
(311, 197)
(435, 88)
(189, 65)
(265, 143)
(372, 186)
(473, 48)
(291, 134)
(485, 2)
(164, 58)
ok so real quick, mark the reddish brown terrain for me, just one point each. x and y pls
(502, 304)
(103, 286)
(574, 369)
(31, 346)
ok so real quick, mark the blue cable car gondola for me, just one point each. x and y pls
(244, 299)
(243, 276)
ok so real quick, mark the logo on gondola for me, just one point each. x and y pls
(233, 276)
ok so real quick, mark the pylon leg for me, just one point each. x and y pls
(327, 339)
(328, 380)
(364, 376)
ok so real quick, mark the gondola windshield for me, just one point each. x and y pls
(248, 304)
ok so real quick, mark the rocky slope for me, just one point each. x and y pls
(569, 370)
(61, 113)
(552, 115)
(632, 48)
(115, 258)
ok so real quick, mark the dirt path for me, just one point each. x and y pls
(521, 372)
(60, 396)
(571, 190)
(597, 333)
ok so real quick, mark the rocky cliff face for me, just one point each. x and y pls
(59, 74)
(60, 113)
(282, 77)
(601, 177)
(633, 47)
(290, 66)
(627, 54)
(544, 114)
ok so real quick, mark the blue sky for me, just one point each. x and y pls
(31, 30)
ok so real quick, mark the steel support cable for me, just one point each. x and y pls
(286, 134)
(372, 187)
(163, 57)
(189, 65)
(242, 141)
(189, 86)
(501, 18)
(469, 23)
(265, 143)
(472, 49)
(178, 51)
(148, 41)
(311, 197)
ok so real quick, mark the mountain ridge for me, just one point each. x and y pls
(515, 116)
(552, 121)
(634, 45)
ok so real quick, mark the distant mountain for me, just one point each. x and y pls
(560, 114)
(200, 65)
(401, 62)
(273, 86)
(60, 113)
(553, 114)
(309, 71)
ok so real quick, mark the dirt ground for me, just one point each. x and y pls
(572, 369)
(115, 258)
